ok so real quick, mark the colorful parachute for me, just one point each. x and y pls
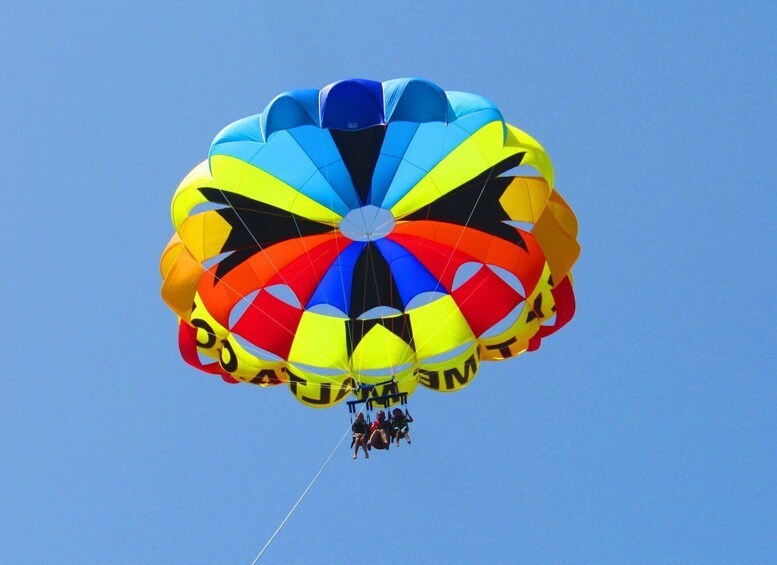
(365, 232)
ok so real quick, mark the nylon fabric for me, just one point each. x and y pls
(368, 238)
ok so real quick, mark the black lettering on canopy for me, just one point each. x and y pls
(429, 379)
(266, 377)
(360, 150)
(295, 379)
(480, 198)
(503, 347)
(255, 225)
(205, 326)
(536, 310)
(470, 368)
(324, 388)
(373, 283)
(227, 358)
(385, 389)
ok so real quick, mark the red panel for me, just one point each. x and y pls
(425, 239)
(304, 274)
(187, 344)
(269, 323)
(440, 259)
(564, 297)
(474, 244)
(485, 299)
(221, 295)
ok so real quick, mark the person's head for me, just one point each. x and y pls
(397, 412)
(380, 415)
(359, 417)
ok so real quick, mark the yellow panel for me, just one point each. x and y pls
(170, 255)
(317, 391)
(237, 176)
(564, 214)
(245, 366)
(210, 334)
(204, 234)
(181, 273)
(187, 195)
(320, 342)
(525, 198)
(483, 149)
(535, 154)
(438, 327)
(453, 374)
(512, 341)
(379, 349)
(556, 232)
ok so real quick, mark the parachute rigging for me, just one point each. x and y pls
(369, 228)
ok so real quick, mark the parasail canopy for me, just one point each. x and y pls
(364, 233)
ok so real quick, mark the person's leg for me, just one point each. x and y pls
(357, 441)
(378, 439)
(407, 436)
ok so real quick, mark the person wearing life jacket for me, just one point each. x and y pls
(361, 431)
(399, 426)
(380, 432)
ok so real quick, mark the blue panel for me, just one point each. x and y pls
(335, 287)
(283, 158)
(317, 143)
(398, 137)
(241, 139)
(473, 111)
(243, 150)
(415, 100)
(410, 276)
(319, 189)
(384, 173)
(426, 148)
(464, 103)
(290, 109)
(473, 122)
(406, 177)
(321, 149)
(352, 104)
(431, 143)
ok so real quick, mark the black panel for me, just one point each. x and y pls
(373, 284)
(255, 225)
(476, 204)
(360, 150)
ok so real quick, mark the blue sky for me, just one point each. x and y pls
(642, 433)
